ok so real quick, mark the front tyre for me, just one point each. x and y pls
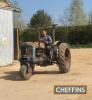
(26, 71)
(64, 58)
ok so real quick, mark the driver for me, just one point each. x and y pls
(45, 38)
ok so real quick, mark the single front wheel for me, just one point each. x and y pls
(26, 71)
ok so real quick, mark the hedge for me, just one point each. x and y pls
(72, 35)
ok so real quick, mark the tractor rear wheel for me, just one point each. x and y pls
(64, 58)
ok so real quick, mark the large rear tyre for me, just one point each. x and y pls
(26, 71)
(64, 58)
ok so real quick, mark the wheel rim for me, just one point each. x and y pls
(67, 58)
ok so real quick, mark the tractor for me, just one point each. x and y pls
(36, 53)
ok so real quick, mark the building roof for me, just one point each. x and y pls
(3, 3)
(6, 4)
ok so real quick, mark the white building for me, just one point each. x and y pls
(6, 33)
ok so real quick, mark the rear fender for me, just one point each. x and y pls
(56, 43)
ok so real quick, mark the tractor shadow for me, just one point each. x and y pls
(12, 75)
(46, 72)
(15, 75)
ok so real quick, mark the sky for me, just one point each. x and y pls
(55, 8)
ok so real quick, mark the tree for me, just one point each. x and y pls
(18, 20)
(90, 18)
(64, 20)
(76, 15)
(40, 19)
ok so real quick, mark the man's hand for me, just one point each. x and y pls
(45, 42)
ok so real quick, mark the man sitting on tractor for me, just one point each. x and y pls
(47, 40)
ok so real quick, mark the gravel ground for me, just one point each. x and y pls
(41, 84)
